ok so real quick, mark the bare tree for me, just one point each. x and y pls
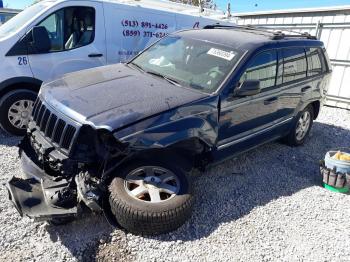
(206, 3)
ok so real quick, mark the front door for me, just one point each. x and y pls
(243, 119)
(77, 36)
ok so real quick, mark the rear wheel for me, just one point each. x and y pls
(301, 128)
(15, 110)
(151, 197)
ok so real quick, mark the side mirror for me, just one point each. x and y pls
(248, 88)
(41, 41)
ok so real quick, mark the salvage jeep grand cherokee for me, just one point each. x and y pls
(123, 138)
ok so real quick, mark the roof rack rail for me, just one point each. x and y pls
(278, 35)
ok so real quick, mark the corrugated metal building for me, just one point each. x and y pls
(6, 14)
(331, 25)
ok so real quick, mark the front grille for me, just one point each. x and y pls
(55, 129)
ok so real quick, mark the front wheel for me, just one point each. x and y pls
(301, 127)
(151, 197)
(15, 110)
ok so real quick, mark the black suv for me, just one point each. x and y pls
(123, 138)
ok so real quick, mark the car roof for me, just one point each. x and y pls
(246, 39)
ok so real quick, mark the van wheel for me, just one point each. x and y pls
(15, 110)
(301, 127)
(151, 197)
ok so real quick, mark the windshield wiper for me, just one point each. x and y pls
(169, 79)
(196, 86)
(137, 66)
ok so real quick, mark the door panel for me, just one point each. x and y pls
(241, 118)
(298, 80)
(245, 118)
(292, 80)
(77, 35)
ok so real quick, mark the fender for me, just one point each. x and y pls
(195, 122)
(172, 133)
(29, 82)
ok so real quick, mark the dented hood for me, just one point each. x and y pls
(114, 96)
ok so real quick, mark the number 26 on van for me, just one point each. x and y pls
(22, 60)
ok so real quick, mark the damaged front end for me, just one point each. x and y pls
(63, 168)
(39, 195)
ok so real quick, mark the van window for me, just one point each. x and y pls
(294, 66)
(54, 26)
(263, 67)
(314, 60)
(70, 28)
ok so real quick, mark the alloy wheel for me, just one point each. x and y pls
(152, 184)
(303, 125)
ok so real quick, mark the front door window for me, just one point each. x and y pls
(263, 68)
(70, 28)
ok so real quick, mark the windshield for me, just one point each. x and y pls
(19, 20)
(188, 62)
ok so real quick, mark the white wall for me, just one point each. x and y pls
(334, 31)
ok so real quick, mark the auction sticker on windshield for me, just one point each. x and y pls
(221, 53)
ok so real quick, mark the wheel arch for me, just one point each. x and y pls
(183, 153)
(12, 84)
(316, 105)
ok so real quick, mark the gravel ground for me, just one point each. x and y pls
(264, 205)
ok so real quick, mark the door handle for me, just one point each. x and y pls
(304, 89)
(270, 100)
(95, 55)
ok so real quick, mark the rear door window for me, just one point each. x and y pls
(263, 67)
(294, 64)
(316, 65)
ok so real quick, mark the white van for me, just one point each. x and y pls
(52, 38)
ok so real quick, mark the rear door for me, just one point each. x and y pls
(295, 87)
(243, 119)
(317, 68)
(77, 35)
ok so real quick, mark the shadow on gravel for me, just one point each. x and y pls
(224, 193)
(234, 188)
(83, 236)
(8, 140)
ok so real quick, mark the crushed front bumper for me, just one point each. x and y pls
(34, 194)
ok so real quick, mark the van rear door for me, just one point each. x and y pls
(77, 36)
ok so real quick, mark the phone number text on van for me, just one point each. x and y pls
(148, 34)
(143, 24)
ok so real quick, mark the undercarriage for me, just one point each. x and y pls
(44, 197)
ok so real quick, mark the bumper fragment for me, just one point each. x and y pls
(34, 195)
(29, 199)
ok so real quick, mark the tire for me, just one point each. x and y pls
(142, 214)
(292, 138)
(21, 98)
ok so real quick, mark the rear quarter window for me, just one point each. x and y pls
(327, 61)
(315, 60)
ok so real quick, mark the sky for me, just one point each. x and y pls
(237, 5)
